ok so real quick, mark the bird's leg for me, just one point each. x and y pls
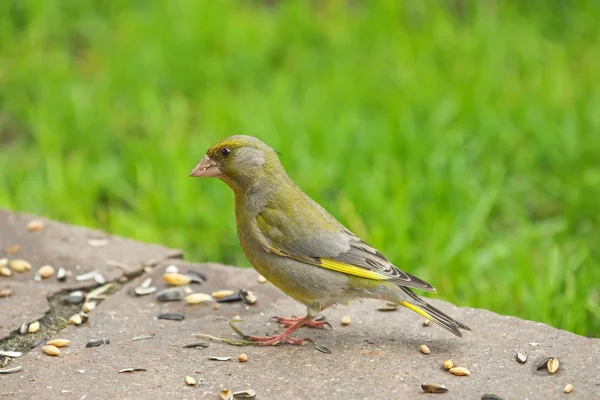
(283, 337)
(314, 323)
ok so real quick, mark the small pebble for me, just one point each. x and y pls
(261, 279)
(568, 389)
(51, 350)
(448, 364)
(61, 275)
(424, 349)
(34, 327)
(35, 225)
(190, 381)
(346, 320)
(243, 357)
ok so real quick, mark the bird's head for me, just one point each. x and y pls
(241, 161)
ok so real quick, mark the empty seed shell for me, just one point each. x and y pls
(195, 276)
(346, 320)
(243, 357)
(61, 275)
(261, 279)
(89, 306)
(248, 297)
(388, 307)
(39, 342)
(34, 327)
(147, 283)
(12, 249)
(448, 364)
(322, 349)
(196, 345)
(231, 298)
(244, 394)
(143, 337)
(97, 342)
(24, 328)
(225, 394)
(222, 293)
(35, 225)
(172, 269)
(59, 342)
(11, 354)
(173, 294)
(11, 370)
(214, 358)
(75, 320)
(424, 349)
(490, 396)
(176, 279)
(98, 242)
(553, 365)
(18, 265)
(142, 291)
(46, 271)
(459, 371)
(568, 389)
(5, 271)
(521, 357)
(426, 322)
(86, 277)
(51, 350)
(433, 388)
(190, 381)
(99, 279)
(171, 316)
(198, 298)
(125, 370)
(544, 364)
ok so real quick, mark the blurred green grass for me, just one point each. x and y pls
(461, 138)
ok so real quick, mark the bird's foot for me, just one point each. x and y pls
(314, 323)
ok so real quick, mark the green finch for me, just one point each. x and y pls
(299, 247)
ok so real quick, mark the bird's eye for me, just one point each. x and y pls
(225, 151)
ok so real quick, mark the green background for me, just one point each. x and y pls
(460, 138)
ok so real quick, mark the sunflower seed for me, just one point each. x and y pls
(196, 345)
(171, 316)
(433, 388)
(448, 364)
(172, 269)
(38, 343)
(19, 265)
(97, 343)
(35, 225)
(46, 271)
(544, 364)
(11, 370)
(553, 365)
(24, 328)
(176, 279)
(51, 350)
(7, 292)
(59, 342)
(489, 396)
(568, 389)
(61, 275)
(244, 394)
(346, 320)
(521, 357)
(459, 371)
(225, 394)
(11, 354)
(143, 337)
(322, 349)
(222, 293)
(190, 381)
(230, 298)
(89, 306)
(98, 242)
(132, 370)
(3, 262)
(86, 277)
(172, 294)
(424, 349)
(75, 320)
(243, 357)
(248, 297)
(142, 291)
(34, 327)
(213, 358)
(198, 298)
(261, 279)
(426, 322)
(5, 271)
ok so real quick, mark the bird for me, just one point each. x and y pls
(301, 248)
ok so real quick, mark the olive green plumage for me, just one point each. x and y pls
(297, 245)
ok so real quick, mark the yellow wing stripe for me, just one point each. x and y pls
(351, 269)
(417, 310)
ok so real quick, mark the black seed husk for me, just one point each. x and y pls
(171, 316)
(38, 343)
(231, 298)
(543, 364)
(196, 345)
(489, 396)
(73, 299)
(97, 343)
(322, 349)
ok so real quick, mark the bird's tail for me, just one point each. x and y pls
(433, 314)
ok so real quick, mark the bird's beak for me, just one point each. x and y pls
(206, 168)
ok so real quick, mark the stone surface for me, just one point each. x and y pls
(376, 356)
(62, 245)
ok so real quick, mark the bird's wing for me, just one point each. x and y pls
(338, 250)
